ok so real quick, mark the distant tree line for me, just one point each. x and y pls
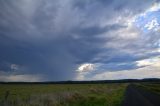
(156, 80)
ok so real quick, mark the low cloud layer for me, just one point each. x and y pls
(55, 40)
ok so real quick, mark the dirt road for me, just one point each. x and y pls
(136, 96)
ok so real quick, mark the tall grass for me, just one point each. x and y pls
(62, 94)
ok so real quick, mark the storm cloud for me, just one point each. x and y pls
(50, 40)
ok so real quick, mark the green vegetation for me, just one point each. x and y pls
(153, 87)
(61, 94)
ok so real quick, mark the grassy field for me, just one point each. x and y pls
(61, 94)
(152, 87)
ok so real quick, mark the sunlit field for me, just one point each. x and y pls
(62, 94)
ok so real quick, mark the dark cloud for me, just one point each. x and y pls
(52, 38)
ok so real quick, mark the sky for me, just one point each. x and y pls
(59, 40)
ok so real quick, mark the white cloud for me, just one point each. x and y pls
(152, 25)
(85, 67)
(83, 70)
(130, 74)
(151, 70)
(154, 7)
(151, 62)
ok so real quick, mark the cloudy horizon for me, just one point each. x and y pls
(58, 40)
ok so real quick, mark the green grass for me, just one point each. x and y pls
(153, 87)
(61, 94)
